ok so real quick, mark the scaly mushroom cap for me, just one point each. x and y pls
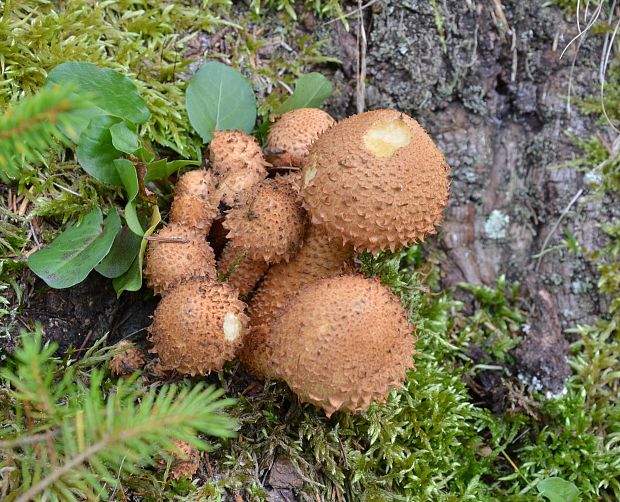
(317, 258)
(198, 326)
(293, 133)
(239, 271)
(238, 164)
(186, 461)
(376, 180)
(270, 225)
(129, 359)
(177, 253)
(343, 343)
(195, 202)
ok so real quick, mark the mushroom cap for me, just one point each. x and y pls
(238, 164)
(239, 271)
(291, 136)
(235, 150)
(198, 326)
(186, 461)
(129, 359)
(343, 342)
(270, 224)
(176, 254)
(376, 180)
(195, 202)
(317, 258)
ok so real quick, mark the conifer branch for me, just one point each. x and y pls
(31, 128)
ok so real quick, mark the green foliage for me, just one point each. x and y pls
(73, 434)
(33, 127)
(311, 91)
(558, 490)
(331, 8)
(219, 98)
(146, 38)
(69, 259)
(496, 322)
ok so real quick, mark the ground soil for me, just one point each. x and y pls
(487, 81)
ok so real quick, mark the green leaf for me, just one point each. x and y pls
(96, 153)
(109, 91)
(122, 254)
(123, 138)
(558, 490)
(79, 120)
(73, 254)
(161, 169)
(129, 178)
(311, 91)
(132, 279)
(219, 98)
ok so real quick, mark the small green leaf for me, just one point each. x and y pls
(219, 98)
(96, 153)
(123, 138)
(122, 254)
(131, 216)
(311, 91)
(129, 178)
(161, 169)
(111, 92)
(73, 254)
(79, 120)
(558, 490)
(132, 279)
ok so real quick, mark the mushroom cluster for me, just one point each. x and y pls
(285, 223)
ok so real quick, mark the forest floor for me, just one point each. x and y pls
(516, 301)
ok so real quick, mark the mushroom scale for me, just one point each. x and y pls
(376, 180)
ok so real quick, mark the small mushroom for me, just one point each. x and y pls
(270, 224)
(176, 253)
(239, 271)
(128, 360)
(291, 136)
(238, 164)
(198, 326)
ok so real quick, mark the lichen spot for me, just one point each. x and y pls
(384, 138)
(232, 327)
(309, 176)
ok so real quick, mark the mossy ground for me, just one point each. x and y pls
(432, 440)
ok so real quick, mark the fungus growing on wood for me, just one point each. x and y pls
(176, 253)
(317, 258)
(269, 225)
(238, 164)
(198, 326)
(291, 136)
(376, 180)
(343, 343)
